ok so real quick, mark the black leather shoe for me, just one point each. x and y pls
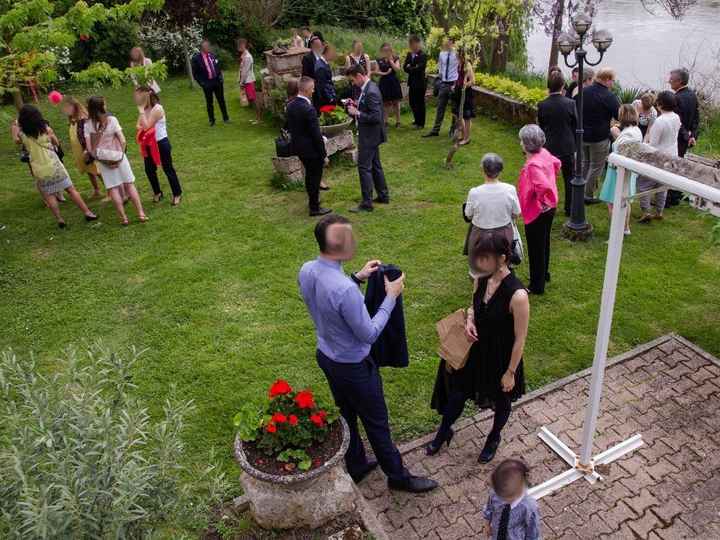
(431, 134)
(380, 200)
(413, 484)
(591, 200)
(433, 447)
(324, 188)
(361, 208)
(489, 451)
(370, 467)
(320, 212)
(212, 123)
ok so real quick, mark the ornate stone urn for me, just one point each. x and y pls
(305, 499)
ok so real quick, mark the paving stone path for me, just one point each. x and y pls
(668, 390)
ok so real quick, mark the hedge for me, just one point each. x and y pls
(510, 88)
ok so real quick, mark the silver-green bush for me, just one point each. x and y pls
(80, 457)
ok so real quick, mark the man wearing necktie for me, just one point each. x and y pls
(414, 66)
(206, 71)
(448, 67)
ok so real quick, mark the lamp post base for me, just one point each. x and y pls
(576, 233)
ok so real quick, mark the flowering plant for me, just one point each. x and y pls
(286, 424)
(331, 115)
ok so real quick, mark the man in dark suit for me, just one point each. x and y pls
(368, 113)
(414, 66)
(310, 60)
(689, 112)
(206, 71)
(307, 142)
(557, 117)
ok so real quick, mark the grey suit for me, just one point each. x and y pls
(371, 134)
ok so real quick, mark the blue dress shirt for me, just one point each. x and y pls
(343, 325)
(448, 66)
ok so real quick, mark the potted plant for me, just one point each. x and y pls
(290, 448)
(333, 120)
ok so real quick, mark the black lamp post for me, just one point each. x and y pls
(578, 228)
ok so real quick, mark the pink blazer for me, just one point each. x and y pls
(537, 186)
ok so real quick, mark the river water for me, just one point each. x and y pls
(647, 46)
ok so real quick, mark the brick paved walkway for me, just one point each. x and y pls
(668, 390)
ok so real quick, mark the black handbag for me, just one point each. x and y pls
(283, 144)
(24, 155)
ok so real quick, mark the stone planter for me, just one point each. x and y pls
(496, 105)
(288, 63)
(336, 129)
(307, 499)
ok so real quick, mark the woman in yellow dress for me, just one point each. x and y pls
(77, 116)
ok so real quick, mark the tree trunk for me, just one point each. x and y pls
(17, 98)
(557, 29)
(501, 49)
(188, 67)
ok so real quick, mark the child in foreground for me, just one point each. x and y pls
(510, 513)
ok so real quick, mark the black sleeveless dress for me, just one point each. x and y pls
(489, 357)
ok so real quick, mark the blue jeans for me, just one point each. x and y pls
(358, 392)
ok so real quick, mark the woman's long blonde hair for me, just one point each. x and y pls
(79, 110)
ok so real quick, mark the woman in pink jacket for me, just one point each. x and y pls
(537, 190)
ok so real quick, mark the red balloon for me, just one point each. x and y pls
(55, 97)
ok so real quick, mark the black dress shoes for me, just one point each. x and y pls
(361, 208)
(320, 212)
(489, 451)
(212, 123)
(370, 467)
(413, 484)
(431, 134)
(380, 200)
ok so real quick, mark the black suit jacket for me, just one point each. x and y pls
(390, 348)
(689, 113)
(600, 106)
(304, 127)
(415, 68)
(199, 70)
(371, 122)
(308, 65)
(557, 117)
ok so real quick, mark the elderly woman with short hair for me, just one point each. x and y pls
(537, 187)
(493, 205)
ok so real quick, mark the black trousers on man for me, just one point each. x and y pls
(313, 176)
(358, 392)
(674, 196)
(416, 97)
(215, 87)
(537, 233)
(371, 175)
(567, 165)
(167, 167)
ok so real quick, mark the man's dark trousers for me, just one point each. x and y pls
(416, 96)
(358, 392)
(371, 174)
(443, 97)
(215, 87)
(313, 176)
(567, 165)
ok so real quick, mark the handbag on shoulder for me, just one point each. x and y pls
(109, 154)
(283, 144)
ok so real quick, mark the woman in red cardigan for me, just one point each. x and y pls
(537, 190)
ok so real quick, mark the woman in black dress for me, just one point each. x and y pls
(497, 325)
(357, 57)
(466, 80)
(388, 66)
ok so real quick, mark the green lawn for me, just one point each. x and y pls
(209, 288)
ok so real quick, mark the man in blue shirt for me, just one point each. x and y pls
(345, 332)
(448, 72)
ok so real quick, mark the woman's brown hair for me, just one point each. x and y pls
(79, 110)
(627, 116)
(96, 108)
(153, 98)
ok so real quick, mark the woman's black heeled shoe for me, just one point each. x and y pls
(489, 451)
(433, 448)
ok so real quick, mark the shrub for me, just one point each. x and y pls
(81, 458)
(161, 39)
(510, 88)
(110, 42)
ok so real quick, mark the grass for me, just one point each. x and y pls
(209, 288)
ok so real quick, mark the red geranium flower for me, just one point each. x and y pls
(327, 108)
(84, 37)
(279, 388)
(317, 420)
(305, 399)
(279, 418)
(271, 428)
(322, 414)
(293, 420)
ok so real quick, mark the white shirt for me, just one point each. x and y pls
(246, 73)
(664, 133)
(160, 125)
(492, 205)
(630, 134)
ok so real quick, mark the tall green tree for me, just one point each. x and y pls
(35, 33)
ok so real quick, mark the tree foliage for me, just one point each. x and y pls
(33, 31)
